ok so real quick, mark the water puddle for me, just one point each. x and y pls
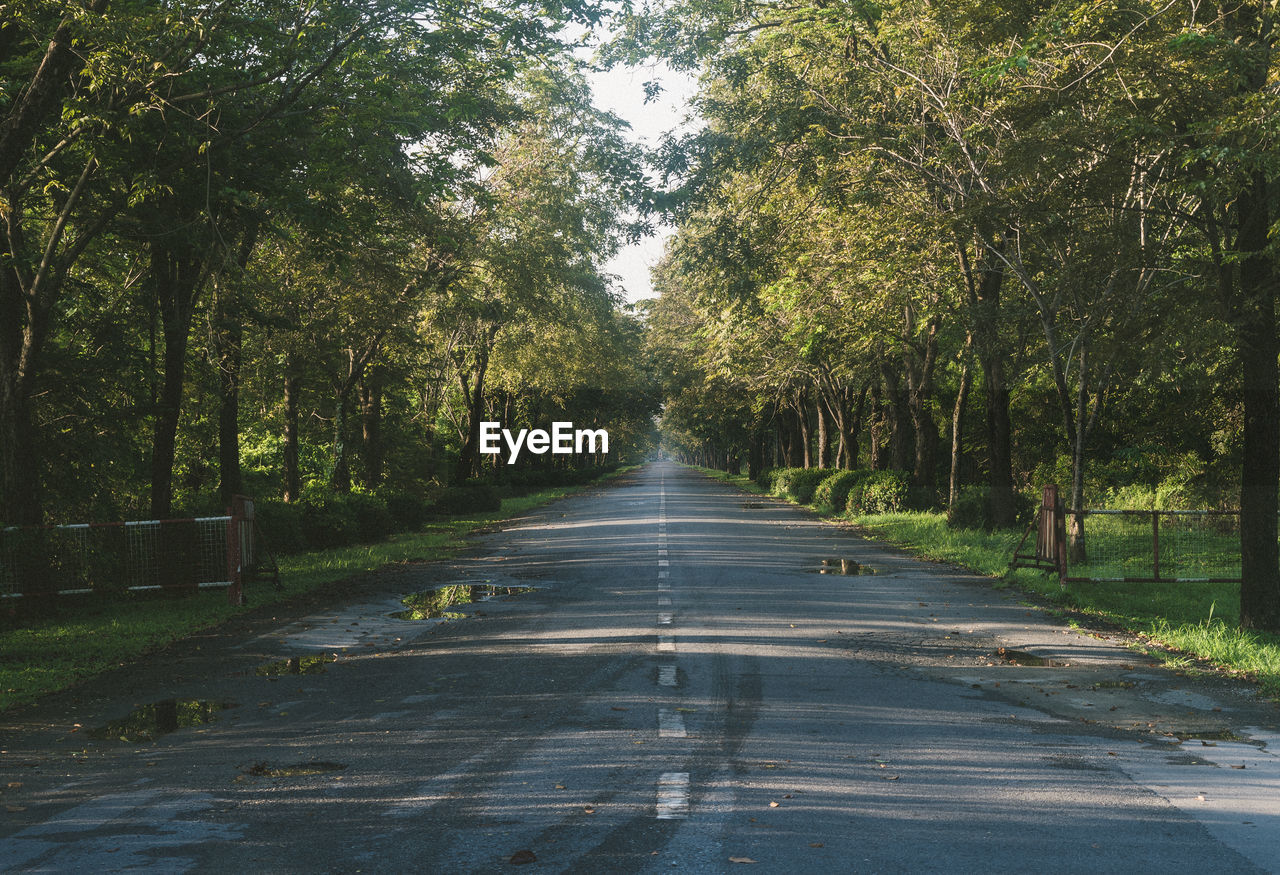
(314, 767)
(434, 604)
(842, 566)
(1022, 657)
(149, 722)
(296, 665)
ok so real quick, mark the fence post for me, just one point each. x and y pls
(1155, 544)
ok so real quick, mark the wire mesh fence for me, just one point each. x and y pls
(1154, 545)
(1133, 545)
(115, 557)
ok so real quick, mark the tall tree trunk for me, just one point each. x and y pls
(177, 270)
(371, 428)
(824, 440)
(806, 432)
(984, 283)
(957, 422)
(878, 426)
(469, 457)
(228, 342)
(292, 476)
(1257, 349)
(20, 488)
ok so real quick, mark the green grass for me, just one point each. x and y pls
(87, 635)
(1197, 621)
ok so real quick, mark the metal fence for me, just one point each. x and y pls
(1157, 546)
(139, 556)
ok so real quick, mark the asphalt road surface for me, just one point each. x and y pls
(688, 687)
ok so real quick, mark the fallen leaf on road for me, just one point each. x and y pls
(816, 845)
(616, 708)
(14, 809)
(588, 810)
(742, 860)
(1241, 766)
(559, 786)
(525, 856)
(891, 777)
(773, 804)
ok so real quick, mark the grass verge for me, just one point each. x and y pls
(1183, 622)
(88, 636)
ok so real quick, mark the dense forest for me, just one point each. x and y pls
(301, 248)
(989, 245)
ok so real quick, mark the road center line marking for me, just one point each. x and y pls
(664, 601)
(667, 643)
(663, 575)
(665, 618)
(671, 724)
(667, 675)
(663, 563)
(673, 796)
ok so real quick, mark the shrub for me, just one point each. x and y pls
(469, 498)
(833, 492)
(972, 509)
(408, 511)
(805, 483)
(282, 525)
(369, 512)
(780, 483)
(878, 492)
(765, 479)
(326, 521)
(885, 492)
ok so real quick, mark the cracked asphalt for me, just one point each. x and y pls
(688, 687)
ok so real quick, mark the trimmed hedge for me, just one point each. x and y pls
(323, 519)
(833, 492)
(798, 484)
(879, 492)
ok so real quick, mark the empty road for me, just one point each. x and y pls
(684, 688)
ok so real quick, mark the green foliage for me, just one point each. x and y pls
(882, 492)
(798, 484)
(469, 498)
(832, 493)
(972, 509)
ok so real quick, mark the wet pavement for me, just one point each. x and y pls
(658, 675)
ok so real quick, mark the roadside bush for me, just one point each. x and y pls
(408, 511)
(372, 519)
(799, 484)
(833, 492)
(836, 486)
(780, 482)
(765, 479)
(471, 498)
(327, 521)
(282, 525)
(879, 492)
(972, 509)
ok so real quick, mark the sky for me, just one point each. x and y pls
(621, 91)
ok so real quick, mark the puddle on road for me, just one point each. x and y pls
(314, 767)
(296, 665)
(1022, 657)
(149, 722)
(434, 604)
(842, 566)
